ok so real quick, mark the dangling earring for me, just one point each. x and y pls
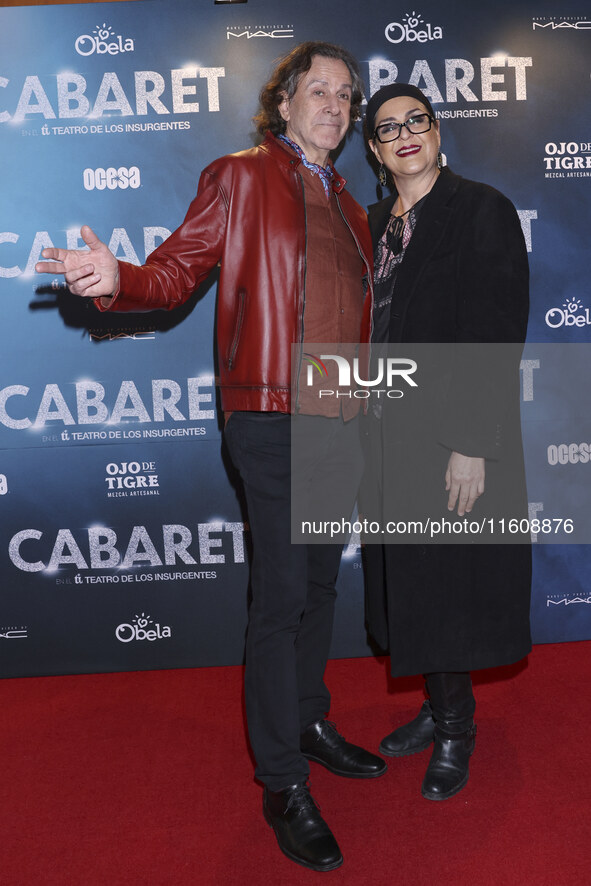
(439, 160)
(382, 176)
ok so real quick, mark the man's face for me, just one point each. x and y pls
(318, 115)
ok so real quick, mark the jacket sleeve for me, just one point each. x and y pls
(492, 311)
(174, 270)
(493, 272)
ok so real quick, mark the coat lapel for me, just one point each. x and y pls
(378, 215)
(435, 215)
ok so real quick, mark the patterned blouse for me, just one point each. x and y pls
(386, 264)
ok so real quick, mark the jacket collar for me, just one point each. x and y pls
(442, 191)
(435, 215)
(287, 158)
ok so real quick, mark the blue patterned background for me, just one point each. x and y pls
(75, 72)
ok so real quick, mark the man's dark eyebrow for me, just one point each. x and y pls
(325, 83)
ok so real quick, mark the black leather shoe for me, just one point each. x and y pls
(301, 832)
(412, 737)
(447, 772)
(322, 743)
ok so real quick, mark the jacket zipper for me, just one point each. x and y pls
(235, 340)
(369, 286)
(369, 282)
(296, 405)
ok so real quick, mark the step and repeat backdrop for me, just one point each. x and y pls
(123, 540)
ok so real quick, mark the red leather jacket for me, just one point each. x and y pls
(249, 216)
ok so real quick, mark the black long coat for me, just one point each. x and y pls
(463, 279)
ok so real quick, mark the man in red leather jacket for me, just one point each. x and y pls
(295, 257)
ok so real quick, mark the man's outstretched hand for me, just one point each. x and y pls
(89, 272)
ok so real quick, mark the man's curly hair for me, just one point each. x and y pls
(286, 76)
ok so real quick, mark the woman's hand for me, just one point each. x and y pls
(464, 480)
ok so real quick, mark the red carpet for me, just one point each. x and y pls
(145, 778)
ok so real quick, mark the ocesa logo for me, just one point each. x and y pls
(569, 453)
(111, 178)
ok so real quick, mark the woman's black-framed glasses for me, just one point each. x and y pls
(389, 132)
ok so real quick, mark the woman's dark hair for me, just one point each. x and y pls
(286, 76)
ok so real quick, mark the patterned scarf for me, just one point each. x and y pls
(326, 173)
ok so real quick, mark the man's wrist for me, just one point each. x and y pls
(107, 300)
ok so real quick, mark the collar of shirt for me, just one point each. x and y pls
(325, 173)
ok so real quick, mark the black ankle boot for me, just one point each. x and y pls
(448, 771)
(452, 703)
(412, 737)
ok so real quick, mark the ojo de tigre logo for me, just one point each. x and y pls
(131, 478)
(570, 156)
(111, 178)
(388, 370)
(88, 44)
(408, 30)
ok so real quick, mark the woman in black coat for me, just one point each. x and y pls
(450, 267)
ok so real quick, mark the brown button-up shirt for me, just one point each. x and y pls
(334, 296)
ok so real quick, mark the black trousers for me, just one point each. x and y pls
(293, 585)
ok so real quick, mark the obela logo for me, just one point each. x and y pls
(568, 315)
(139, 630)
(408, 30)
(88, 44)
